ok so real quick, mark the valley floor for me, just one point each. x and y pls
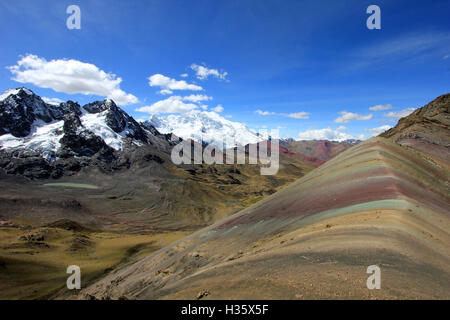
(33, 260)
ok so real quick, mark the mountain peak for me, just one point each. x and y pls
(100, 106)
(20, 108)
(21, 91)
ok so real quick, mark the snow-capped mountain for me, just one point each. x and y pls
(28, 123)
(40, 140)
(206, 127)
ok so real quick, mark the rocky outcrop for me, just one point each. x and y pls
(20, 110)
(78, 141)
(117, 119)
(26, 163)
(427, 121)
(426, 130)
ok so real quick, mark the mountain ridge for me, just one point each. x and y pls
(377, 203)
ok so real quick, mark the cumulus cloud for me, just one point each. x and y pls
(70, 76)
(203, 72)
(376, 131)
(346, 117)
(167, 84)
(197, 98)
(184, 75)
(54, 101)
(165, 91)
(400, 114)
(219, 108)
(324, 134)
(177, 104)
(380, 107)
(264, 113)
(173, 104)
(341, 128)
(298, 115)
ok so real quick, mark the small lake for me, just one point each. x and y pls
(71, 185)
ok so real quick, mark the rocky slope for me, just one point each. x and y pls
(426, 130)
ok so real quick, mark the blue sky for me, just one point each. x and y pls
(294, 65)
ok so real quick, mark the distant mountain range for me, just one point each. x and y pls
(41, 140)
(205, 127)
(211, 128)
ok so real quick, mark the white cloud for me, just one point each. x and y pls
(70, 76)
(298, 115)
(197, 98)
(228, 116)
(380, 107)
(167, 84)
(165, 91)
(264, 113)
(376, 131)
(203, 72)
(54, 101)
(173, 104)
(341, 128)
(184, 75)
(219, 108)
(324, 134)
(400, 114)
(346, 117)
